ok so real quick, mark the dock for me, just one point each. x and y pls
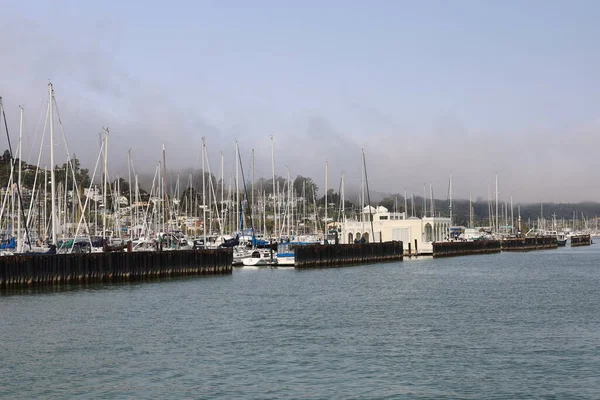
(464, 248)
(581, 240)
(451, 249)
(530, 243)
(335, 255)
(56, 269)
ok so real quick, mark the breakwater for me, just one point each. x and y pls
(529, 243)
(459, 248)
(451, 249)
(56, 269)
(581, 240)
(316, 256)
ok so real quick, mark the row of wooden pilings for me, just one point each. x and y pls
(530, 243)
(316, 256)
(52, 269)
(450, 249)
(581, 240)
(462, 248)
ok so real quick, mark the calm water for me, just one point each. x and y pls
(500, 326)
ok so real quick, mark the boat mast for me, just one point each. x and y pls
(165, 191)
(106, 132)
(252, 190)
(326, 173)
(117, 193)
(274, 193)
(362, 199)
(204, 192)
(343, 200)
(52, 177)
(450, 190)
(19, 238)
(45, 202)
(289, 203)
(238, 216)
(221, 214)
(137, 201)
(131, 221)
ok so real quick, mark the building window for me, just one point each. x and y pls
(428, 233)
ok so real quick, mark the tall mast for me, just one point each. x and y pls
(304, 205)
(117, 206)
(450, 199)
(165, 191)
(238, 214)
(104, 201)
(252, 194)
(52, 177)
(45, 202)
(221, 215)
(362, 199)
(204, 191)
(343, 199)
(19, 238)
(137, 198)
(326, 173)
(131, 221)
(274, 194)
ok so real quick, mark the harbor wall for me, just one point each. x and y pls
(451, 249)
(581, 240)
(529, 243)
(335, 255)
(56, 269)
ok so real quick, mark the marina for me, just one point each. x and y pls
(300, 200)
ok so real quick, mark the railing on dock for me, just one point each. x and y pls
(460, 248)
(581, 240)
(53, 269)
(315, 256)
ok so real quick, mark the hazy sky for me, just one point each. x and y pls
(471, 88)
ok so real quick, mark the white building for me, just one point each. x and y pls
(395, 226)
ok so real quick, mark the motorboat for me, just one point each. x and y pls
(260, 258)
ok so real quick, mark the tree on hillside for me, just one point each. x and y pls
(307, 183)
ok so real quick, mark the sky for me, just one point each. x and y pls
(427, 89)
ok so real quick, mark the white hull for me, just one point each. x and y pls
(286, 261)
